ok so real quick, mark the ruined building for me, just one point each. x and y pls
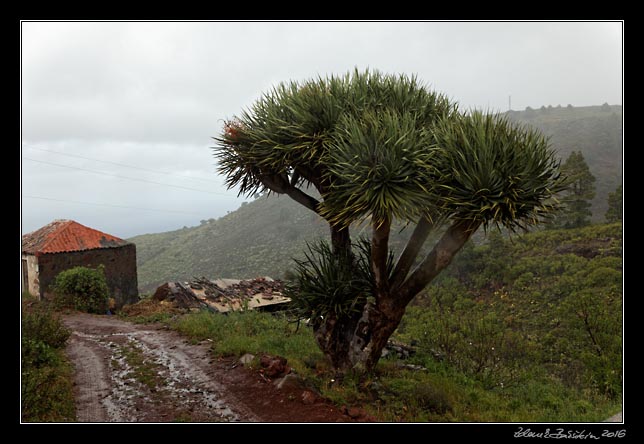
(64, 244)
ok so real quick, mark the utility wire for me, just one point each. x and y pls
(128, 178)
(118, 164)
(109, 205)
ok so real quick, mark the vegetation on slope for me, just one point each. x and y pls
(548, 305)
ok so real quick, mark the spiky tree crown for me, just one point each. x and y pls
(384, 147)
(494, 171)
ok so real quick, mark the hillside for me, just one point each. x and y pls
(262, 236)
(258, 239)
(516, 313)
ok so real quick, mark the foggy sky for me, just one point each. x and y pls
(99, 98)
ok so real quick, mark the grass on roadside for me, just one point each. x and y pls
(237, 333)
(440, 393)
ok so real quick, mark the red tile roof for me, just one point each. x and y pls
(67, 235)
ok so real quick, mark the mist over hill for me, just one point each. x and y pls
(261, 237)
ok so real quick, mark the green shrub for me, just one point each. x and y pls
(432, 398)
(46, 390)
(42, 333)
(42, 324)
(82, 288)
(326, 283)
(47, 393)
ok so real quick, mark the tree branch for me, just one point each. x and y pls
(301, 197)
(281, 185)
(309, 174)
(340, 240)
(379, 254)
(274, 182)
(439, 258)
(409, 254)
(294, 178)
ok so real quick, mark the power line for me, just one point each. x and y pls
(118, 164)
(128, 178)
(109, 205)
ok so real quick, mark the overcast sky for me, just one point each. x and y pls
(117, 117)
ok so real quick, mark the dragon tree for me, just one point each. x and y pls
(380, 148)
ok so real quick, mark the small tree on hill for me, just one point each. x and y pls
(614, 212)
(579, 193)
(379, 148)
(529, 113)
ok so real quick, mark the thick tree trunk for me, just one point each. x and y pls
(379, 254)
(382, 320)
(411, 251)
(336, 337)
(356, 342)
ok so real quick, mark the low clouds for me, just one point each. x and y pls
(153, 94)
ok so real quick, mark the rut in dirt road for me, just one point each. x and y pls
(144, 373)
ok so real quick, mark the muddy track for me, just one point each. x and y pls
(127, 372)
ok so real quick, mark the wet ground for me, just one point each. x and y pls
(128, 372)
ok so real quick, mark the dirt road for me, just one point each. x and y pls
(146, 373)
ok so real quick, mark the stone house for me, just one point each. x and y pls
(64, 244)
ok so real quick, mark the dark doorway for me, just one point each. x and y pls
(25, 276)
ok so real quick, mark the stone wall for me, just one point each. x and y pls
(120, 270)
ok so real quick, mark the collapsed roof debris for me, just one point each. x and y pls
(224, 295)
